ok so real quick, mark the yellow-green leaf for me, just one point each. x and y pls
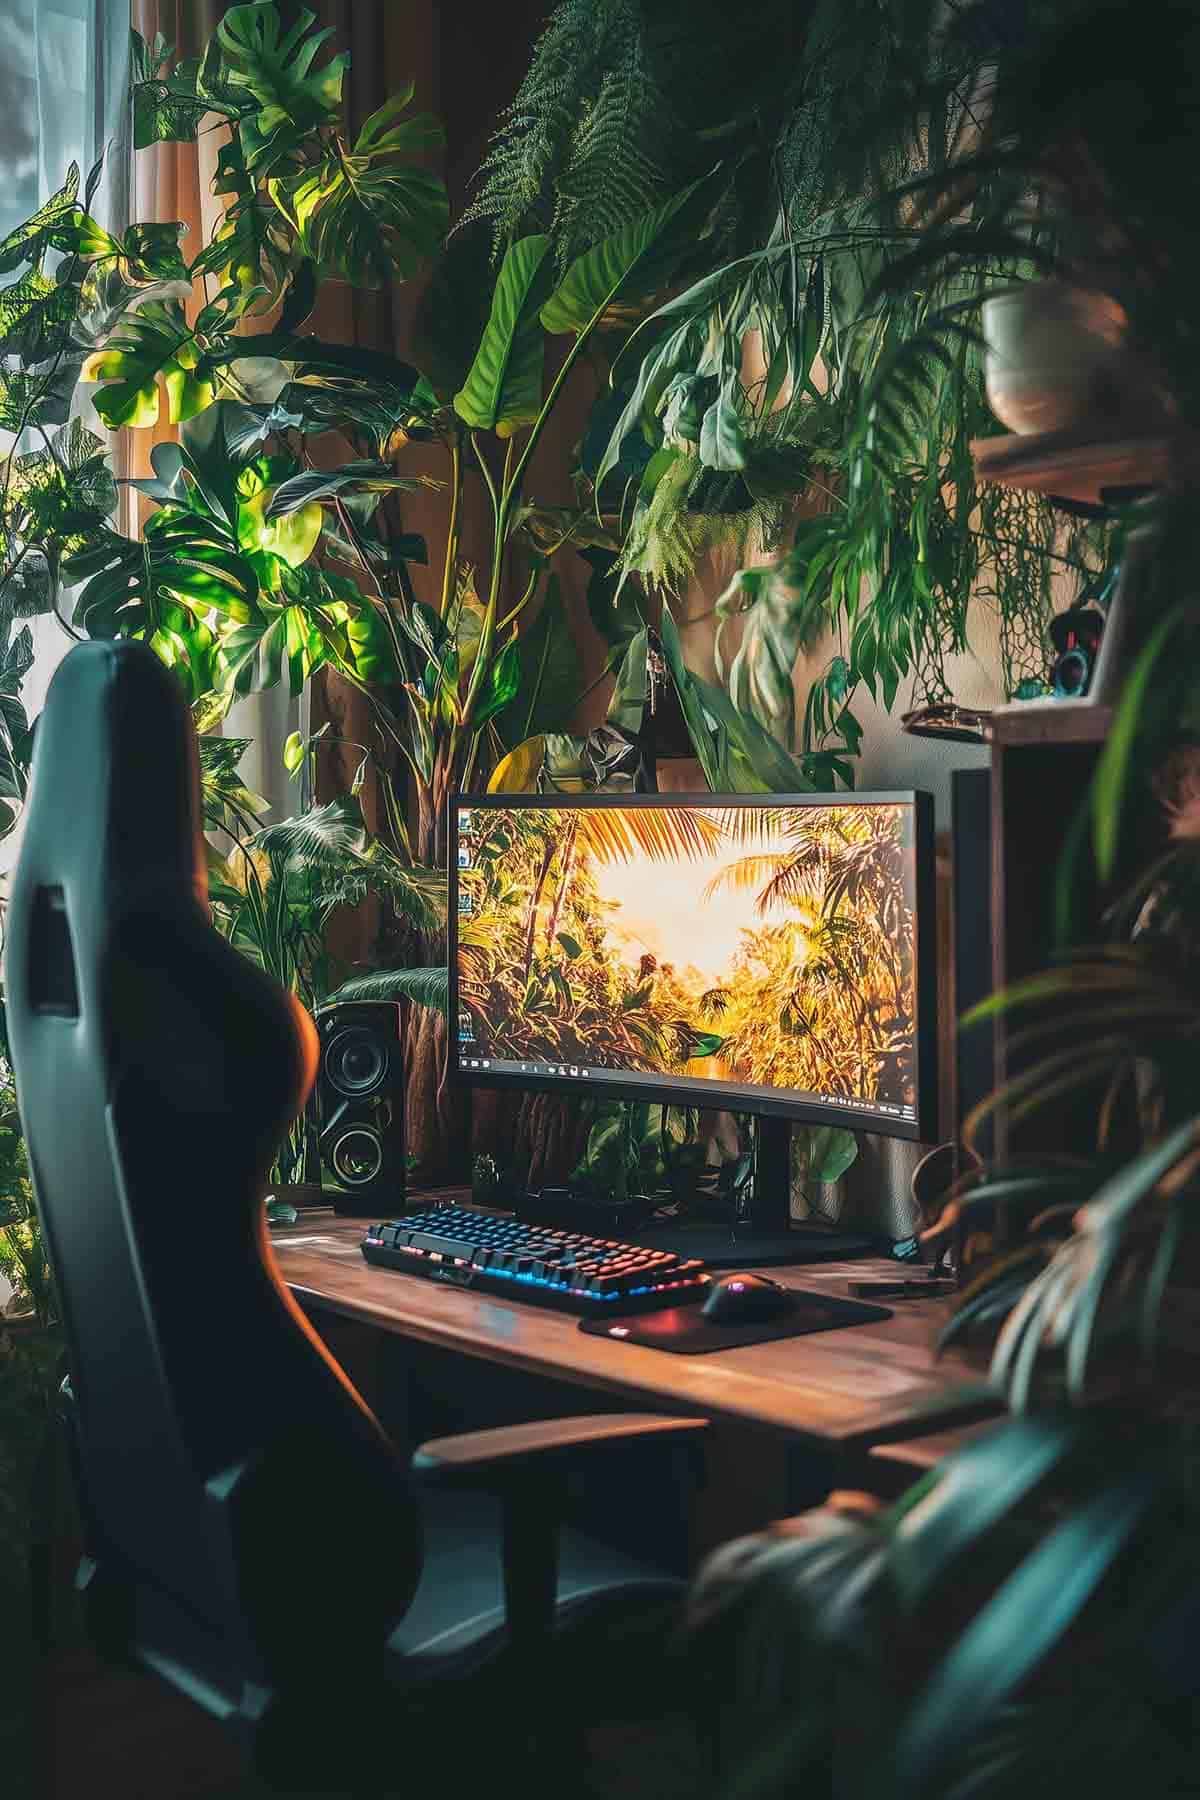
(517, 773)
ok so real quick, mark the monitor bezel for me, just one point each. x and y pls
(670, 1092)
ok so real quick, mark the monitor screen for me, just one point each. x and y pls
(761, 954)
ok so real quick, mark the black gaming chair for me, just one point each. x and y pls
(251, 1534)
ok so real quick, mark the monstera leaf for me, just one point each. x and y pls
(155, 342)
(292, 639)
(252, 247)
(291, 533)
(184, 560)
(503, 389)
(273, 70)
(361, 214)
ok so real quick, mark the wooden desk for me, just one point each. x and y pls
(837, 1391)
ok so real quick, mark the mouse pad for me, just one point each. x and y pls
(686, 1332)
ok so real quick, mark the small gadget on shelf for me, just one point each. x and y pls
(564, 1269)
(1075, 635)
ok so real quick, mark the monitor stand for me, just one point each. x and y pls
(761, 1234)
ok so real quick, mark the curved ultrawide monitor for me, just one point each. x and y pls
(769, 954)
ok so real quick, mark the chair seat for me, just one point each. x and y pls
(456, 1621)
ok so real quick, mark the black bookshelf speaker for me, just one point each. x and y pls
(972, 839)
(358, 1106)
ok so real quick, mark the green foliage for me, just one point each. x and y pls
(503, 389)
(422, 987)
(626, 265)
(362, 215)
(272, 69)
(155, 343)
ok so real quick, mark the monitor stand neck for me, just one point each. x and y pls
(760, 1233)
(765, 1210)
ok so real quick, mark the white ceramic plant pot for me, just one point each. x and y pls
(1054, 357)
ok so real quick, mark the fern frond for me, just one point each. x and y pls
(532, 146)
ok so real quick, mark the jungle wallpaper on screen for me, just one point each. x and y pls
(754, 947)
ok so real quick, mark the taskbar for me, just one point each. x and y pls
(726, 1093)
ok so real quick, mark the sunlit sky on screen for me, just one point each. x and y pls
(664, 907)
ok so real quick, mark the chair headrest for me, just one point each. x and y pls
(115, 791)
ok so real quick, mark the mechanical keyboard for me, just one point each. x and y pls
(565, 1269)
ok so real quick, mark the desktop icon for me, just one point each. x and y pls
(464, 820)
(466, 903)
(464, 857)
(574, 1071)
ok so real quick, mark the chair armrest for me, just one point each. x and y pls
(495, 1458)
(527, 1466)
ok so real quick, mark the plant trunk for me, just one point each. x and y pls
(560, 896)
(535, 901)
(435, 1112)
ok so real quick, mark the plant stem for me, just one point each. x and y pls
(452, 528)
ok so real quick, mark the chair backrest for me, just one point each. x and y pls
(156, 1071)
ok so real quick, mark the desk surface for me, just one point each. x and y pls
(841, 1389)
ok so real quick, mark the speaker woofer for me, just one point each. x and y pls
(356, 1156)
(356, 1062)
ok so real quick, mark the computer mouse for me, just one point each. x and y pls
(741, 1299)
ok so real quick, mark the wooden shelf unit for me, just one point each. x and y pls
(1063, 466)
(1062, 722)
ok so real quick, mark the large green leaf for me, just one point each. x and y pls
(157, 341)
(252, 246)
(1112, 770)
(1015, 1630)
(722, 440)
(630, 263)
(273, 68)
(59, 494)
(452, 312)
(424, 987)
(34, 313)
(503, 389)
(38, 396)
(182, 561)
(973, 1491)
(352, 478)
(288, 641)
(361, 214)
(550, 678)
(677, 351)
(324, 834)
(59, 224)
(502, 683)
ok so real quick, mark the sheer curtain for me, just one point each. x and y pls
(64, 74)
